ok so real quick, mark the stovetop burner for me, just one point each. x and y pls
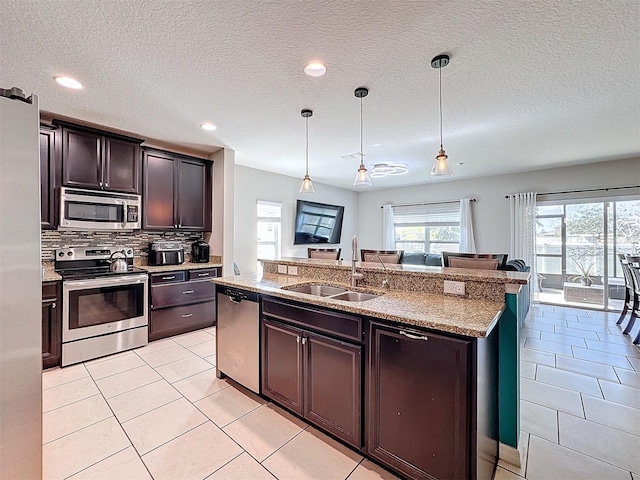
(85, 273)
(92, 262)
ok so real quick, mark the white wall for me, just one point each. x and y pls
(252, 185)
(491, 211)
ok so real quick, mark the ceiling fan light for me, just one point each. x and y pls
(307, 186)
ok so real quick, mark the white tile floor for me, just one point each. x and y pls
(160, 412)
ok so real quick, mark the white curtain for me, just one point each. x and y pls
(467, 242)
(522, 207)
(388, 233)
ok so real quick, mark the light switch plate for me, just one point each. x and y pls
(282, 269)
(455, 288)
(291, 270)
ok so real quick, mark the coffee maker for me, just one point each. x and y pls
(200, 252)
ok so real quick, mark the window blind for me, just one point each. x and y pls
(434, 214)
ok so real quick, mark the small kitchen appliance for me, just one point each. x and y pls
(166, 253)
(90, 210)
(200, 252)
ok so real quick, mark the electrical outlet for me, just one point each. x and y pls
(282, 269)
(455, 288)
(291, 270)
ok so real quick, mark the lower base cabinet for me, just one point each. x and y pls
(51, 325)
(313, 375)
(181, 302)
(428, 417)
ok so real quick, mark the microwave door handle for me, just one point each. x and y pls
(124, 213)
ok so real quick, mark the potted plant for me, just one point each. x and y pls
(586, 273)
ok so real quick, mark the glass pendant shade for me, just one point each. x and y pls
(307, 186)
(362, 177)
(441, 166)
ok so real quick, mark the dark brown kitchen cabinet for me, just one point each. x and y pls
(99, 160)
(49, 151)
(179, 304)
(426, 414)
(177, 192)
(51, 324)
(312, 374)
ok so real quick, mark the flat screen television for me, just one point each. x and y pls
(317, 223)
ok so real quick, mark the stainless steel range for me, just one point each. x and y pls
(104, 309)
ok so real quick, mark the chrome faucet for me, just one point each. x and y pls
(354, 258)
(385, 281)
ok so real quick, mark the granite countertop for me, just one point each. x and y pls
(473, 318)
(448, 273)
(182, 266)
(48, 273)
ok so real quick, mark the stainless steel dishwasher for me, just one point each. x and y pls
(238, 336)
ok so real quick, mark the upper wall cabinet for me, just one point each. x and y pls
(177, 192)
(99, 160)
(49, 152)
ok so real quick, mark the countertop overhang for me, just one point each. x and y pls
(468, 317)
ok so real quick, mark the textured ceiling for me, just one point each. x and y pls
(531, 84)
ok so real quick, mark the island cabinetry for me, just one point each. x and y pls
(180, 305)
(51, 324)
(312, 364)
(426, 418)
(100, 160)
(177, 192)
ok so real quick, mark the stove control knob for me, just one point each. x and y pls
(69, 254)
(61, 254)
(129, 252)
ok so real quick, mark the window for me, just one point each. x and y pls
(430, 228)
(268, 229)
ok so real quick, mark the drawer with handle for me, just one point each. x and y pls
(172, 321)
(182, 293)
(168, 277)
(203, 273)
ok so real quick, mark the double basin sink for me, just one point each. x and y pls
(335, 293)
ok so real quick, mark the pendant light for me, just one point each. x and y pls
(441, 167)
(362, 177)
(307, 186)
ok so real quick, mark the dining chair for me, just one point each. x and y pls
(484, 261)
(324, 253)
(632, 295)
(386, 256)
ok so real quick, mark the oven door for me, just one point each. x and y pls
(100, 306)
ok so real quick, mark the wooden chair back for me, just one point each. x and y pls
(387, 256)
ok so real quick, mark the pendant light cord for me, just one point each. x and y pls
(440, 69)
(307, 150)
(361, 149)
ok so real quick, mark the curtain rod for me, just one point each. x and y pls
(584, 191)
(426, 203)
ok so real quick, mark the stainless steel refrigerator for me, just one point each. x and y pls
(20, 288)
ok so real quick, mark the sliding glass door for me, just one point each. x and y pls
(576, 247)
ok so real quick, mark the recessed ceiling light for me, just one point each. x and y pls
(315, 69)
(460, 163)
(380, 170)
(209, 127)
(68, 82)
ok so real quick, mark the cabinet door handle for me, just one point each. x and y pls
(297, 339)
(304, 340)
(171, 277)
(106, 184)
(203, 274)
(187, 315)
(413, 337)
(187, 292)
(53, 305)
(100, 184)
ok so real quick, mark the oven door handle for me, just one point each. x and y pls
(103, 282)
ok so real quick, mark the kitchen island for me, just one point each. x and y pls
(409, 378)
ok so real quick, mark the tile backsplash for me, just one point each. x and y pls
(139, 240)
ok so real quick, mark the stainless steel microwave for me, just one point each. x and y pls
(91, 210)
